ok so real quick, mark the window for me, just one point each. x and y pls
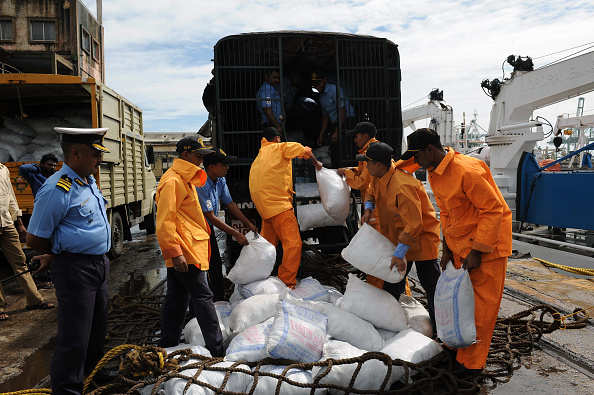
(85, 42)
(96, 53)
(6, 30)
(43, 31)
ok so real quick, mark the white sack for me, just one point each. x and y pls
(371, 252)
(412, 346)
(250, 344)
(269, 286)
(454, 308)
(310, 289)
(193, 333)
(386, 334)
(4, 155)
(417, 315)
(374, 305)
(19, 127)
(238, 382)
(298, 333)
(236, 296)
(334, 193)
(7, 137)
(252, 311)
(370, 376)
(256, 260)
(267, 385)
(333, 294)
(311, 216)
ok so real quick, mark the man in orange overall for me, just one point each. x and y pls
(271, 189)
(405, 215)
(184, 238)
(477, 231)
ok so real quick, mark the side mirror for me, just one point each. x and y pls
(150, 155)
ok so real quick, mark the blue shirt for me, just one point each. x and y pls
(328, 100)
(32, 173)
(268, 97)
(71, 214)
(213, 192)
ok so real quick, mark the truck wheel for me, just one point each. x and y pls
(150, 221)
(117, 236)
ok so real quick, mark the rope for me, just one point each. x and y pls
(570, 269)
(30, 391)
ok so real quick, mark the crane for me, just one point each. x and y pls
(441, 115)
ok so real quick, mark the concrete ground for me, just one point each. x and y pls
(26, 339)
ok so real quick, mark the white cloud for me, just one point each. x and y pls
(159, 53)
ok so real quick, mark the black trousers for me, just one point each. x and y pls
(428, 272)
(215, 269)
(190, 287)
(81, 284)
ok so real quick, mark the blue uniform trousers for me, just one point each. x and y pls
(185, 288)
(81, 283)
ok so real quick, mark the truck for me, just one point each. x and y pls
(36, 103)
(365, 68)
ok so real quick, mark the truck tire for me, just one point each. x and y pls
(117, 236)
(150, 221)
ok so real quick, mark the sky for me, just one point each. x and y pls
(158, 54)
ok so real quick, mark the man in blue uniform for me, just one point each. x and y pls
(212, 195)
(37, 174)
(69, 224)
(268, 101)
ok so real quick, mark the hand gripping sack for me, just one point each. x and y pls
(256, 260)
(454, 308)
(334, 193)
(311, 216)
(371, 252)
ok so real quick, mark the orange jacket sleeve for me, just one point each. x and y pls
(296, 150)
(168, 203)
(490, 210)
(409, 208)
(370, 192)
(358, 178)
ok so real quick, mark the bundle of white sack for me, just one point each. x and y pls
(312, 323)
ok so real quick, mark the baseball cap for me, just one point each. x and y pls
(218, 156)
(380, 152)
(367, 128)
(90, 136)
(193, 144)
(270, 132)
(419, 140)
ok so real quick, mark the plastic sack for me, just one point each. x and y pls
(256, 260)
(193, 333)
(311, 216)
(236, 296)
(374, 305)
(237, 382)
(250, 344)
(412, 346)
(267, 385)
(333, 294)
(371, 252)
(297, 333)
(269, 286)
(310, 289)
(454, 308)
(334, 193)
(417, 315)
(252, 311)
(370, 376)
(386, 334)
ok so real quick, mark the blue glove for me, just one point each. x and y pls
(369, 205)
(401, 250)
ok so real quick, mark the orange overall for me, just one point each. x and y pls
(271, 189)
(359, 177)
(475, 216)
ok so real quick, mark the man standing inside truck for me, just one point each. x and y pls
(183, 235)
(271, 189)
(477, 232)
(70, 225)
(406, 217)
(214, 194)
(268, 101)
(37, 174)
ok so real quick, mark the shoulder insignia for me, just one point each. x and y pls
(64, 183)
(79, 181)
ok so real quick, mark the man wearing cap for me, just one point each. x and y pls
(271, 189)
(37, 174)
(212, 195)
(183, 235)
(406, 217)
(69, 224)
(477, 231)
(269, 101)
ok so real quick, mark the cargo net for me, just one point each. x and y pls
(136, 321)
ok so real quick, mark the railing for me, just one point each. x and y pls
(8, 69)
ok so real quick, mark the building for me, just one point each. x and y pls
(51, 37)
(162, 145)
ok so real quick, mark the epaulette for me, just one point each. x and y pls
(79, 181)
(64, 183)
